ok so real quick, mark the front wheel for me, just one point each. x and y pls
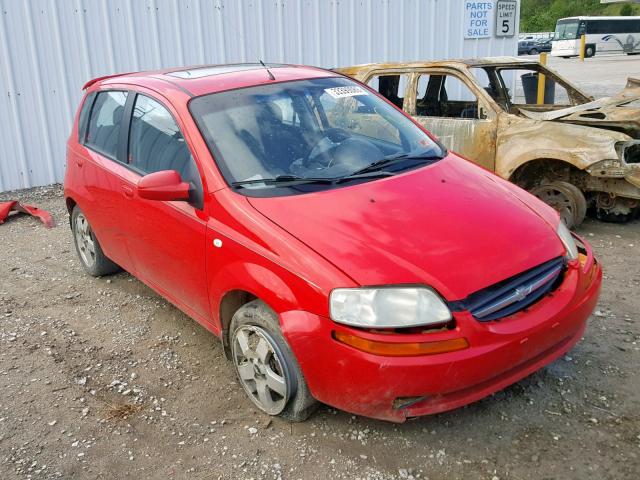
(589, 51)
(567, 199)
(266, 367)
(533, 51)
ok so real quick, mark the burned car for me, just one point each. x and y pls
(572, 151)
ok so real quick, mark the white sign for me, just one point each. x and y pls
(506, 18)
(342, 92)
(478, 19)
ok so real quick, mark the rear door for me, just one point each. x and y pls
(167, 239)
(447, 105)
(108, 184)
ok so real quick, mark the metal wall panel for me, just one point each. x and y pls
(49, 48)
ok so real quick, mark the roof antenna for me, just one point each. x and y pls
(267, 69)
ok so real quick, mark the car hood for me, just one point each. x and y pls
(451, 225)
(609, 112)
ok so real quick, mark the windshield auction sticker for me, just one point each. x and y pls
(342, 92)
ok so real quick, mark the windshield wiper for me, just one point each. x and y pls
(282, 181)
(293, 180)
(394, 159)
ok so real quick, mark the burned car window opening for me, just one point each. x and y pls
(443, 95)
(391, 87)
(325, 128)
(520, 85)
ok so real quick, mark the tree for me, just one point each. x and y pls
(626, 10)
(542, 15)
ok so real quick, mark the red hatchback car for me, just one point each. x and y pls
(338, 250)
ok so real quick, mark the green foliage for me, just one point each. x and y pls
(541, 15)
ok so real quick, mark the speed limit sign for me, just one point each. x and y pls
(506, 18)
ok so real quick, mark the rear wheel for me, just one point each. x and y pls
(266, 367)
(91, 255)
(566, 199)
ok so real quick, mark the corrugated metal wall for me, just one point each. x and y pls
(49, 48)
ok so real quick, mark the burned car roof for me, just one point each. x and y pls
(460, 62)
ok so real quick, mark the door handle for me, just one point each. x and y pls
(79, 160)
(127, 191)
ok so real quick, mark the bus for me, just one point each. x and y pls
(603, 35)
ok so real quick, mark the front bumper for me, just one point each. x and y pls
(500, 353)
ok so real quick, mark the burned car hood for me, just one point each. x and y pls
(609, 112)
(451, 225)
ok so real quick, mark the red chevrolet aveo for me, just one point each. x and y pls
(338, 250)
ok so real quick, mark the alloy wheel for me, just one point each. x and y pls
(261, 368)
(84, 240)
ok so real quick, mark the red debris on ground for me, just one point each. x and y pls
(15, 206)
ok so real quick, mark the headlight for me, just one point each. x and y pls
(568, 241)
(388, 307)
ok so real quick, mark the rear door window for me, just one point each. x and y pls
(105, 122)
(156, 143)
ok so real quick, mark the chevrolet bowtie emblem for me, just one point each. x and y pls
(522, 292)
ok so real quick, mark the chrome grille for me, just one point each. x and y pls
(513, 294)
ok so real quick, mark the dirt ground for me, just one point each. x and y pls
(102, 378)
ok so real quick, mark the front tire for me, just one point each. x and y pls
(266, 367)
(567, 199)
(533, 51)
(589, 51)
(93, 259)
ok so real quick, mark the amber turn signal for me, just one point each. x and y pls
(388, 349)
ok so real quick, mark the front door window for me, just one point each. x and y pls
(156, 143)
(441, 95)
(447, 106)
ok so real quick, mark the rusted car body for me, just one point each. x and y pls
(572, 151)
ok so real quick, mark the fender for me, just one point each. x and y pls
(256, 280)
(521, 140)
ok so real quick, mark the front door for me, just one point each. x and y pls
(167, 239)
(449, 108)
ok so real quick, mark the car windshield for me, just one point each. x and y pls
(322, 132)
(566, 30)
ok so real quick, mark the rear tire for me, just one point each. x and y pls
(266, 367)
(92, 258)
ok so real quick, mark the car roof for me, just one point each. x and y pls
(456, 63)
(203, 79)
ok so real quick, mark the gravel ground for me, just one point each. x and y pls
(102, 378)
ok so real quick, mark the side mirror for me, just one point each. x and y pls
(165, 185)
